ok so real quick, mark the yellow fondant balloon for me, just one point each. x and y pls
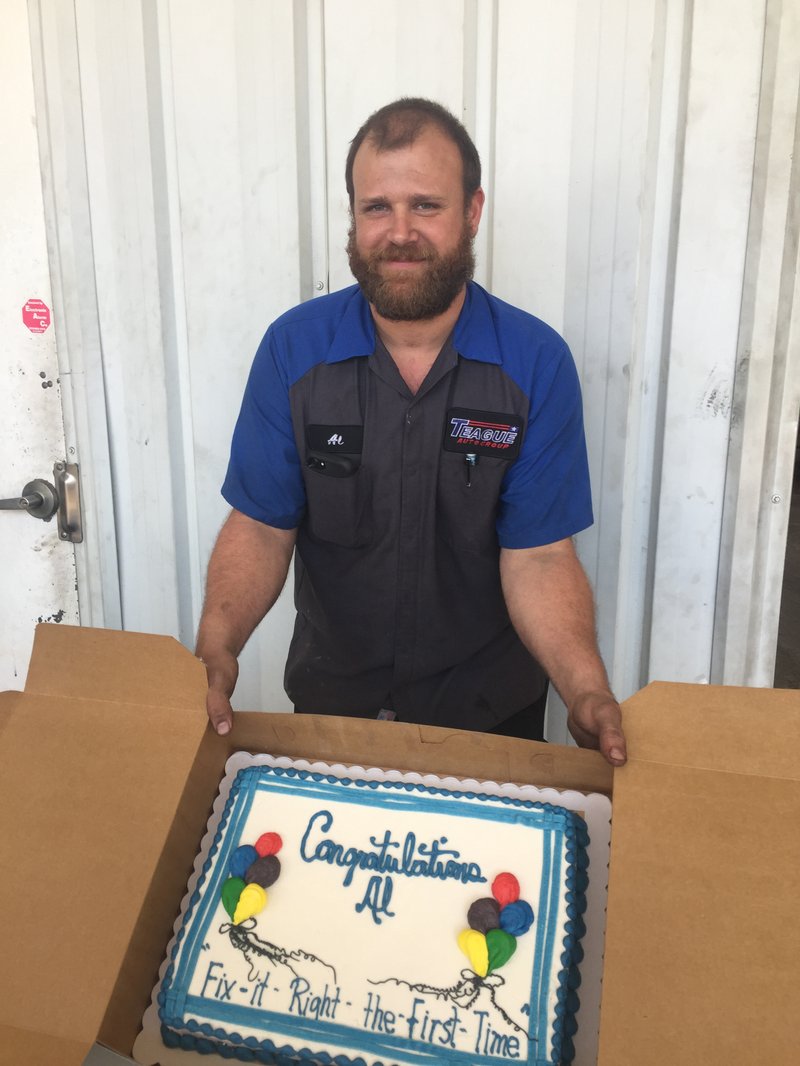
(473, 944)
(252, 900)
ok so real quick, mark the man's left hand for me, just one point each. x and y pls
(595, 721)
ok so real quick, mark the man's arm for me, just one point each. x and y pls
(246, 573)
(551, 607)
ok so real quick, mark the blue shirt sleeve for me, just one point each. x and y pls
(546, 495)
(264, 479)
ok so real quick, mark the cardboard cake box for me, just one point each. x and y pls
(109, 772)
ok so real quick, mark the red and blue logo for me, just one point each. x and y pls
(482, 433)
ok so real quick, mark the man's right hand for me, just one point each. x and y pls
(246, 573)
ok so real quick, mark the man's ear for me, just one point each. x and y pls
(475, 209)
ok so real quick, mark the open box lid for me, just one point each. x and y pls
(92, 890)
(702, 946)
(105, 717)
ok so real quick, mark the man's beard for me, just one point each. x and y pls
(425, 293)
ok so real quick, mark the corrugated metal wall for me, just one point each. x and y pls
(200, 145)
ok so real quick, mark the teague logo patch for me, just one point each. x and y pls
(482, 433)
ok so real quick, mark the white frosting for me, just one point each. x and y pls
(365, 962)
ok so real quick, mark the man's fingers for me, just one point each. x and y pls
(612, 745)
(222, 670)
(582, 737)
(597, 723)
(220, 712)
(610, 738)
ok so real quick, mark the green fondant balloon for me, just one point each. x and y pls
(502, 946)
(230, 892)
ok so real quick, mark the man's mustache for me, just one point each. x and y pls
(403, 255)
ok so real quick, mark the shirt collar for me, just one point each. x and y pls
(474, 335)
(355, 334)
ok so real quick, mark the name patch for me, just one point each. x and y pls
(482, 433)
(337, 439)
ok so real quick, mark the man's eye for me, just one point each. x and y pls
(374, 209)
(427, 205)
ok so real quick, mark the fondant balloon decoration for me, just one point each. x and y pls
(251, 869)
(473, 944)
(494, 925)
(251, 902)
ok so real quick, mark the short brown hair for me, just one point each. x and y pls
(398, 125)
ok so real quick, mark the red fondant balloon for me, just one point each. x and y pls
(505, 889)
(268, 844)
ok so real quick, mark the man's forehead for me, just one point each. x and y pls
(428, 137)
(431, 151)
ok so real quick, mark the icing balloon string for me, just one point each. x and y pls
(441, 993)
(510, 1021)
(494, 924)
(464, 994)
(257, 951)
(247, 926)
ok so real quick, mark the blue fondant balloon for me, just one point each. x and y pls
(241, 860)
(517, 917)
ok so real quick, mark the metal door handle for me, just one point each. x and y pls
(42, 500)
(20, 502)
(38, 498)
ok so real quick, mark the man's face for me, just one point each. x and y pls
(410, 242)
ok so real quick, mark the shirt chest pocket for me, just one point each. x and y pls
(337, 497)
(468, 499)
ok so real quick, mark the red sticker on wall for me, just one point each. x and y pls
(36, 315)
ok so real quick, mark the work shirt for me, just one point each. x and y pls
(402, 502)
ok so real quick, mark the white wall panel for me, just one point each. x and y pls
(717, 174)
(528, 173)
(232, 140)
(375, 53)
(608, 229)
(767, 389)
(111, 53)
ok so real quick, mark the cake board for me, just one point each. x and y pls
(149, 1048)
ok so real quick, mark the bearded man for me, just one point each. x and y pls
(417, 445)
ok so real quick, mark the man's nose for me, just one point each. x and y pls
(402, 229)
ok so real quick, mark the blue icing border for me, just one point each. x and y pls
(205, 1039)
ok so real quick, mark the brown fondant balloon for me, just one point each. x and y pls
(483, 915)
(264, 871)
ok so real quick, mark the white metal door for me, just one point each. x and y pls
(38, 568)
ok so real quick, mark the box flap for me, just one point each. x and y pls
(426, 749)
(18, 1046)
(91, 790)
(106, 664)
(753, 731)
(702, 940)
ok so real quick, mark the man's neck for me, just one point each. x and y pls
(421, 335)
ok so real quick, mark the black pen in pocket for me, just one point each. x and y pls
(471, 459)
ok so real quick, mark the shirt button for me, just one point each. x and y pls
(409, 418)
